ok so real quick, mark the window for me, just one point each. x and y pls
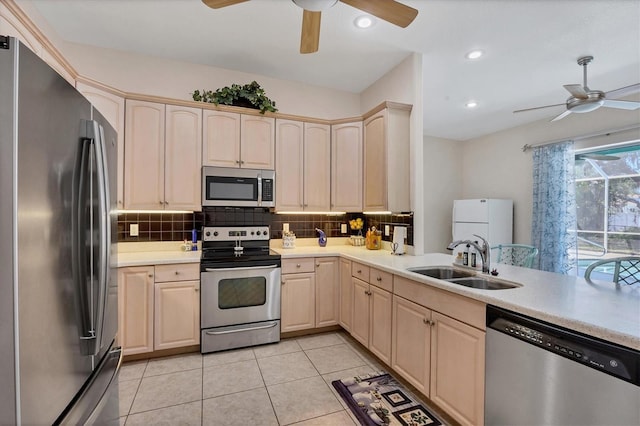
(608, 203)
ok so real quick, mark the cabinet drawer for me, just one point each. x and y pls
(301, 264)
(177, 272)
(381, 279)
(359, 270)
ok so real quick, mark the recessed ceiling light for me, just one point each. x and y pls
(474, 54)
(363, 21)
(471, 104)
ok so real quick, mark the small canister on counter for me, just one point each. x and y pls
(288, 240)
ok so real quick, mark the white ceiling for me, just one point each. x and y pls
(531, 48)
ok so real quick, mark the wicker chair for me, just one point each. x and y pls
(626, 270)
(515, 254)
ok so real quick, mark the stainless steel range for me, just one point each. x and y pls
(239, 288)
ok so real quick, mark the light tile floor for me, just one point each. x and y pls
(278, 384)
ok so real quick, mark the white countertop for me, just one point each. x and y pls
(597, 310)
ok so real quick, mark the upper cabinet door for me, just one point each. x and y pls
(257, 142)
(144, 156)
(183, 147)
(375, 166)
(112, 108)
(289, 165)
(346, 167)
(317, 167)
(221, 133)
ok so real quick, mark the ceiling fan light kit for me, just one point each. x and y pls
(583, 99)
(391, 11)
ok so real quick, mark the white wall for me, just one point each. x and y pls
(403, 84)
(494, 166)
(173, 79)
(442, 184)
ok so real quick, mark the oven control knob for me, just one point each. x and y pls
(208, 234)
(253, 233)
(215, 233)
(264, 232)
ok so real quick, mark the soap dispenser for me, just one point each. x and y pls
(322, 240)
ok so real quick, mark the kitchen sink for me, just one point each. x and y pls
(483, 283)
(467, 279)
(441, 272)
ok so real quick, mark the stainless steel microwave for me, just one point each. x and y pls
(222, 186)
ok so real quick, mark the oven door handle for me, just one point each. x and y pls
(240, 268)
(241, 330)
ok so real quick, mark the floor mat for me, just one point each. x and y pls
(379, 399)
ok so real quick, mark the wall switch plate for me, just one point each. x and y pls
(386, 230)
(133, 229)
(285, 227)
(343, 228)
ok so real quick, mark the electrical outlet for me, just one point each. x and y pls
(386, 230)
(343, 228)
(133, 230)
(285, 227)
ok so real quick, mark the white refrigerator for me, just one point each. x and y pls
(492, 219)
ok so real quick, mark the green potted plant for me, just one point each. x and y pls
(249, 95)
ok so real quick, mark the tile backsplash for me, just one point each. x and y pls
(178, 226)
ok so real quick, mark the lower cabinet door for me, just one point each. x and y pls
(411, 346)
(457, 369)
(135, 309)
(327, 291)
(380, 312)
(177, 314)
(297, 302)
(360, 309)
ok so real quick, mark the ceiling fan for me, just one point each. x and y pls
(387, 10)
(583, 99)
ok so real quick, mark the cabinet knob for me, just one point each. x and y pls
(177, 272)
(317, 265)
(241, 162)
(359, 271)
(379, 279)
(283, 282)
(166, 202)
(297, 265)
(237, 161)
(150, 275)
(196, 290)
(160, 202)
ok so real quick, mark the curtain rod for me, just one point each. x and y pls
(527, 147)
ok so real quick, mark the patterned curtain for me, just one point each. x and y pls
(554, 206)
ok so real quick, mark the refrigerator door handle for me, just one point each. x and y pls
(84, 293)
(104, 226)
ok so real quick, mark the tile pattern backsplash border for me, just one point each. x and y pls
(178, 226)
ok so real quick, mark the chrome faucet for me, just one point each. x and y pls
(485, 251)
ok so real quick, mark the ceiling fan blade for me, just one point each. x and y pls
(542, 107)
(561, 116)
(630, 105)
(576, 90)
(217, 4)
(388, 10)
(310, 37)
(623, 91)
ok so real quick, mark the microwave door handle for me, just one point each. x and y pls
(259, 189)
(250, 268)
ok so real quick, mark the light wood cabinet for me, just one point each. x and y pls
(135, 309)
(346, 294)
(238, 140)
(183, 151)
(327, 291)
(162, 156)
(346, 167)
(442, 355)
(144, 155)
(177, 314)
(297, 302)
(371, 321)
(387, 160)
(317, 167)
(158, 307)
(289, 165)
(411, 344)
(303, 166)
(457, 369)
(111, 106)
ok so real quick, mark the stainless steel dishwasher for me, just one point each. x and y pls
(541, 374)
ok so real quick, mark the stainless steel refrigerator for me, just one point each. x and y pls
(58, 287)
